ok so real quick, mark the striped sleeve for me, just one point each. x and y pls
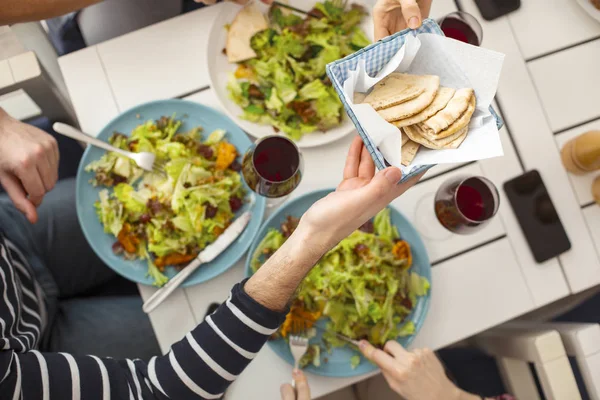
(200, 366)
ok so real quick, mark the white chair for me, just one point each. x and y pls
(515, 345)
(30, 80)
(582, 342)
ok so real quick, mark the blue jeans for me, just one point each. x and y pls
(68, 270)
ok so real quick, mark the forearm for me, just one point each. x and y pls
(275, 283)
(14, 11)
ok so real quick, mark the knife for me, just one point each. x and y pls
(207, 255)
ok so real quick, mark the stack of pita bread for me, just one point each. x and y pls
(427, 114)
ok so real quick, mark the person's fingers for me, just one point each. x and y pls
(379, 357)
(287, 392)
(302, 388)
(366, 168)
(31, 180)
(411, 13)
(395, 349)
(382, 187)
(47, 173)
(207, 2)
(353, 158)
(381, 31)
(17, 194)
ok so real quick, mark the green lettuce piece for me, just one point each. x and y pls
(133, 201)
(215, 137)
(359, 39)
(383, 225)
(174, 167)
(262, 39)
(407, 329)
(314, 90)
(110, 213)
(330, 10)
(289, 43)
(235, 92)
(273, 102)
(417, 286)
(354, 361)
(282, 20)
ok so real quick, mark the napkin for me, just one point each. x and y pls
(458, 65)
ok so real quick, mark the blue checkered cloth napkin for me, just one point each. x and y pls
(376, 56)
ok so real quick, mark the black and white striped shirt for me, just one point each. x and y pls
(200, 366)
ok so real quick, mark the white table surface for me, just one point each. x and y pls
(478, 281)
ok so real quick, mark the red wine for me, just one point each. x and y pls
(475, 200)
(465, 205)
(459, 30)
(276, 159)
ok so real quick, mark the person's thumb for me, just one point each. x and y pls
(411, 13)
(17, 194)
(287, 392)
(302, 387)
(382, 186)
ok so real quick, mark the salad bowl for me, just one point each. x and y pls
(220, 70)
(192, 115)
(337, 363)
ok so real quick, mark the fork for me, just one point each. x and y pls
(298, 347)
(145, 160)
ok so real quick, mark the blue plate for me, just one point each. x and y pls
(192, 115)
(338, 362)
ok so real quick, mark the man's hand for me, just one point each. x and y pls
(28, 164)
(414, 375)
(391, 16)
(359, 196)
(302, 391)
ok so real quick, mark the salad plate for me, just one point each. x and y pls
(344, 361)
(191, 115)
(221, 70)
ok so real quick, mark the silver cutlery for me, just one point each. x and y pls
(207, 255)
(144, 160)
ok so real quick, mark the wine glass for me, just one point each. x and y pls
(462, 205)
(462, 26)
(272, 167)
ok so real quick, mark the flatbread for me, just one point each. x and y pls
(453, 110)
(246, 23)
(451, 142)
(404, 137)
(457, 125)
(414, 106)
(397, 88)
(442, 98)
(359, 97)
(409, 152)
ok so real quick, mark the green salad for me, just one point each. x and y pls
(364, 286)
(286, 85)
(167, 218)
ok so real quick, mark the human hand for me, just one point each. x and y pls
(391, 16)
(240, 2)
(28, 164)
(359, 197)
(416, 375)
(302, 391)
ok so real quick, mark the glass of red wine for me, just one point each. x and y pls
(462, 205)
(462, 26)
(272, 167)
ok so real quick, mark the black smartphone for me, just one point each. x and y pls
(537, 216)
(492, 9)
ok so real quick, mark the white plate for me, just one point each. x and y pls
(589, 8)
(219, 69)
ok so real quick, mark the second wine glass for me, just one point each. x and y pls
(272, 167)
